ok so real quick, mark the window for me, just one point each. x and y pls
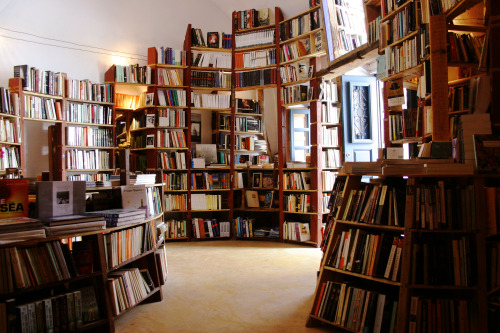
(299, 134)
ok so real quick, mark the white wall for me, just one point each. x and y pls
(84, 38)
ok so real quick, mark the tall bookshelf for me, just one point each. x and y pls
(11, 133)
(210, 90)
(302, 41)
(255, 53)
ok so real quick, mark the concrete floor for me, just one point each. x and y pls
(232, 286)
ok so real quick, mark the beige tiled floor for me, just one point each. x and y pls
(231, 286)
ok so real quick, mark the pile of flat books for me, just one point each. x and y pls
(145, 179)
(20, 228)
(274, 233)
(71, 224)
(120, 216)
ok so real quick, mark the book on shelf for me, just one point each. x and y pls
(252, 199)
(14, 198)
(134, 197)
(208, 152)
(213, 39)
(120, 216)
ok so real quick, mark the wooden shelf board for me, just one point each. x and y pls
(247, 69)
(460, 8)
(262, 27)
(366, 277)
(463, 64)
(458, 113)
(210, 69)
(175, 191)
(88, 124)
(409, 73)
(362, 55)
(467, 28)
(171, 107)
(301, 14)
(43, 120)
(255, 48)
(175, 211)
(210, 88)
(372, 226)
(128, 261)
(167, 66)
(172, 148)
(32, 93)
(133, 84)
(299, 103)
(308, 56)
(297, 82)
(171, 86)
(86, 101)
(395, 12)
(301, 191)
(308, 243)
(209, 49)
(10, 143)
(169, 127)
(242, 114)
(302, 213)
(8, 115)
(273, 85)
(402, 40)
(176, 239)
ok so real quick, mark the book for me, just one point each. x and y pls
(213, 39)
(252, 199)
(207, 151)
(13, 198)
(134, 197)
(56, 198)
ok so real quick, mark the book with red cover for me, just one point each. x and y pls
(13, 198)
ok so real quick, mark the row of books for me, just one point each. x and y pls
(330, 136)
(395, 122)
(297, 180)
(66, 312)
(328, 180)
(134, 74)
(91, 179)
(300, 25)
(346, 42)
(172, 160)
(255, 38)
(368, 253)
(94, 159)
(169, 56)
(10, 130)
(400, 25)
(259, 77)
(9, 158)
(325, 199)
(348, 18)
(88, 91)
(242, 124)
(154, 205)
(168, 77)
(296, 72)
(171, 118)
(357, 309)
(446, 261)
(297, 203)
(41, 81)
(388, 6)
(170, 138)
(373, 30)
(436, 206)
(252, 18)
(297, 93)
(142, 120)
(211, 59)
(378, 204)
(87, 113)
(245, 105)
(219, 101)
(211, 79)
(175, 229)
(328, 91)
(464, 47)
(38, 265)
(37, 107)
(175, 181)
(296, 231)
(201, 201)
(175, 202)
(67, 224)
(244, 227)
(129, 287)
(399, 58)
(210, 228)
(9, 102)
(210, 180)
(126, 244)
(295, 50)
(171, 97)
(89, 136)
(331, 159)
(215, 39)
(432, 314)
(260, 58)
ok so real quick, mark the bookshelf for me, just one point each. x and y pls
(301, 42)
(11, 133)
(407, 265)
(86, 288)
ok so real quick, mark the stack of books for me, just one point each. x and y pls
(20, 228)
(70, 224)
(120, 216)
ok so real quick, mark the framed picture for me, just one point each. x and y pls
(150, 97)
(310, 94)
(257, 179)
(487, 153)
(267, 180)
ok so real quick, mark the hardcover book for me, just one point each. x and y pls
(213, 39)
(13, 198)
(134, 197)
(56, 198)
